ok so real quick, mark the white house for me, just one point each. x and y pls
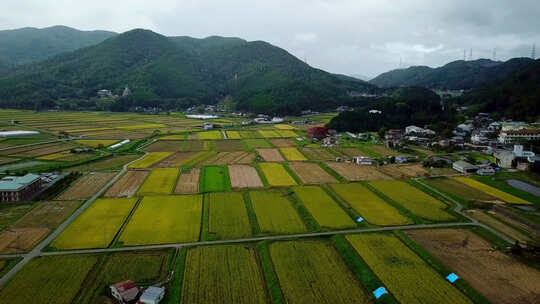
(152, 295)
(363, 160)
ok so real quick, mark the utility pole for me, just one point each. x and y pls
(494, 54)
(533, 54)
(470, 55)
(464, 55)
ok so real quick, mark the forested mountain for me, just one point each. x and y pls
(169, 72)
(28, 44)
(517, 97)
(453, 76)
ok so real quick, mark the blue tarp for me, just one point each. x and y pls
(360, 219)
(452, 277)
(379, 292)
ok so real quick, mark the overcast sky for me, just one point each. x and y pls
(363, 37)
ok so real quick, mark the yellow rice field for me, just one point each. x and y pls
(509, 198)
(150, 159)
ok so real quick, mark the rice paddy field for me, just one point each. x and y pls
(233, 135)
(96, 226)
(452, 186)
(356, 173)
(292, 154)
(257, 143)
(96, 143)
(313, 272)
(228, 218)
(214, 179)
(403, 273)
(276, 175)
(179, 221)
(244, 176)
(150, 159)
(165, 146)
(188, 182)
(127, 185)
(413, 200)
(160, 181)
(106, 164)
(270, 155)
(491, 221)
(86, 186)
(311, 173)
(371, 207)
(229, 145)
(269, 134)
(318, 154)
(228, 274)
(275, 213)
(323, 208)
(209, 135)
(509, 198)
(282, 142)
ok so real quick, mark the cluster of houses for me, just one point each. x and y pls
(127, 292)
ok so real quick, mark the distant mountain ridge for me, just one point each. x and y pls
(454, 75)
(169, 71)
(27, 45)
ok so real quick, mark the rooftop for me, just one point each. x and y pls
(16, 182)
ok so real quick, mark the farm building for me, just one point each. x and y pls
(393, 138)
(464, 167)
(125, 291)
(17, 133)
(152, 295)
(363, 160)
(19, 188)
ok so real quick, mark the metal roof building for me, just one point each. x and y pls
(19, 188)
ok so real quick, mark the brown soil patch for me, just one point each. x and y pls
(229, 158)
(270, 155)
(318, 154)
(128, 184)
(282, 142)
(188, 183)
(165, 146)
(404, 171)
(20, 239)
(243, 176)
(352, 172)
(311, 173)
(87, 186)
(499, 277)
(173, 159)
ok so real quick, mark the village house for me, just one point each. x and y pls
(125, 291)
(393, 138)
(512, 136)
(19, 188)
(464, 167)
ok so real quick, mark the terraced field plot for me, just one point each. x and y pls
(165, 146)
(404, 171)
(229, 145)
(276, 175)
(127, 185)
(499, 277)
(209, 135)
(414, 200)
(97, 226)
(356, 173)
(270, 155)
(26, 232)
(86, 186)
(282, 142)
(313, 272)
(228, 216)
(323, 208)
(150, 159)
(371, 207)
(269, 134)
(292, 154)
(403, 273)
(244, 176)
(257, 143)
(49, 280)
(311, 173)
(95, 143)
(509, 198)
(452, 186)
(179, 220)
(228, 274)
(275, 213)
(160, 181)
(318, 154)
(188, 183)
(215, 179)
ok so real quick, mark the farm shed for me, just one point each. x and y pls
(464, 167)
(152, 295)
(125, 291)
(18, 133)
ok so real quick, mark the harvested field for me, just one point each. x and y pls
(209, 135)
(276, 175)
(227, 274)
(9, 213)
(174, 159)
(318, 154)
(188, 183)
(404, 171)
(270, 155)
(49, 280)
(282, 142)
(228, 158)
(452, 186)
(228, 145)
(275, 213)
(165, 146)
(109, 163)
(17, 240)
(244, 176)
(382, 150)
(228, 218)
(196, 145)
(497, 276)
(195, 159)
(404, 274)
(55, 148)
(311, 173)
(160, 181)
(97, 226)
(127, 185)
(496, 224)
(257, 143)
(355, 173)
(371, 207)
(414, 200)
(313, 272)
(150, 159)
(269, 134)
(86, 186)
(179, 221)
(66, 156)
(96, 143)
(214, 179)
(350, 152)
(292, 154)
(509, 198)
(323, 208)
(233, 135)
